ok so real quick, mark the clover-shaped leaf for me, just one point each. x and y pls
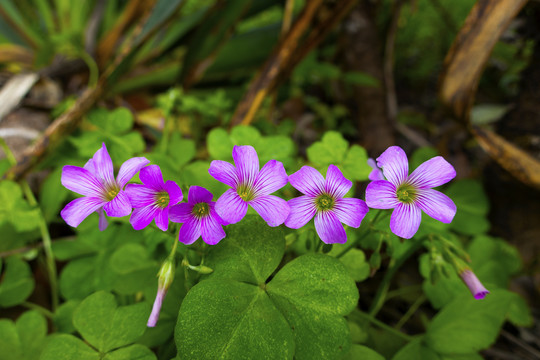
(24, 339)
(106, 326)
(240, 311)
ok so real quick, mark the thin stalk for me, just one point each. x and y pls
(410, 312)
(39, 309)
(382, 325)
(47, 244)
(382, 291)
(45, 236)
(353, 245)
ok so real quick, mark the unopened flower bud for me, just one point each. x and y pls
(165, 279)
(475, 286)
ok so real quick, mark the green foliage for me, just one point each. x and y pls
(278, 318)
(17, 283)
(278, 147)
(24, 339)
(18, 220)
(334, 149)
(472, 207)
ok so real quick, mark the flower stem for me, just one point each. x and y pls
(358, 239)
(44, 230)
(410, 312)
(38, 308)
(373, 320)
(380, 296)
(47, 244)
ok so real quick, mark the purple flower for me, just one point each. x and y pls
(199, 218)
(152, 200)
(101, 190)
(250, 187)
(475, 286)
(324, 200)
(407, 195)
(376, 173)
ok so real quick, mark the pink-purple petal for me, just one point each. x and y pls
(190, 231)
(162, 219)
(103, 223)
(79, 209)
(180, 213)
(394, 164)
(272, 209)
(247, 163)
(336, 184)
(81, 181)
(90, 166)
(230, 207)
(475, 286)
(405, 220)
(129, 168)
(302, 210)
(350, 211)
(437, 205)
(432, 173)
(381, 194)
(376, 173)
(142, 217)
(103, 165)
(198, 194)
(271, 178)
(329, 228)
(156, 308)
(119, 206)
(174, 191)
(151, 176)
(308, 181)
(223, 172)
(211, 230)
(140, 195)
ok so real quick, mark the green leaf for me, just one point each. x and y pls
(32, 329)
(467, 325)
(107, 327)
(63, 317)
(354, 260)
(197, 173)
(52, 195)
(9, 341)
(330, 150)
(416, 350)
(472, 207)
(219, 144)
(78, 278)
(245, 135)
(519, 313)
(17, 283)
(355, 165)
(181, 150)
(117, 121)
(314, 292)
(15, 209)
(132, 352)
(361, 352)
(251, 253)
(68, 347)
(227, 319)
(25, 339)
(484, 249)
(130, 257)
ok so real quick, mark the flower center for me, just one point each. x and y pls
(324, 202)
(245, 192)
(111, 193)
(406, 193)
(162, 199)
(200, 209)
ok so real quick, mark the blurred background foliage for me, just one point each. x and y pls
(315, 82)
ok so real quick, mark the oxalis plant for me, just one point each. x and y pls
(260, 253)
(265, 291)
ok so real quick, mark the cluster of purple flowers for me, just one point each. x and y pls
(322, 199)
